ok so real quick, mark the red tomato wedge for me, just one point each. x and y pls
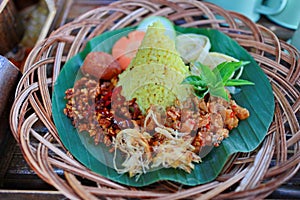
(125, 48)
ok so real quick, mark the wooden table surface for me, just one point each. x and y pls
(19, 181)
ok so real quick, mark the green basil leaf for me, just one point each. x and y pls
(194, 80)
(226, 69)
(219, 91)
(212, 80)
(201, 94)
(236, 65)
(206, 74)
(237, 82)
(199, 88)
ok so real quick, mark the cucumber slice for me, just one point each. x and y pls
(169, 26)
(192, 47)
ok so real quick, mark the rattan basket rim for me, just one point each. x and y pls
(254, 177)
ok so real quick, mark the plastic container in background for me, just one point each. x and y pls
(289, 17)
(251, 8)
(295, 41)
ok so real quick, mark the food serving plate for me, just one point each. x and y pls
(252, 174)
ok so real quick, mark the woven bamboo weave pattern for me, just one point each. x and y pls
(246, 175)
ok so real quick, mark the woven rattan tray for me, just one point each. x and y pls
(246, 175)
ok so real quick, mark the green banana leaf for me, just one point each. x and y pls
(258, 99)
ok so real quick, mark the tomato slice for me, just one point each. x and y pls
(125, 48)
